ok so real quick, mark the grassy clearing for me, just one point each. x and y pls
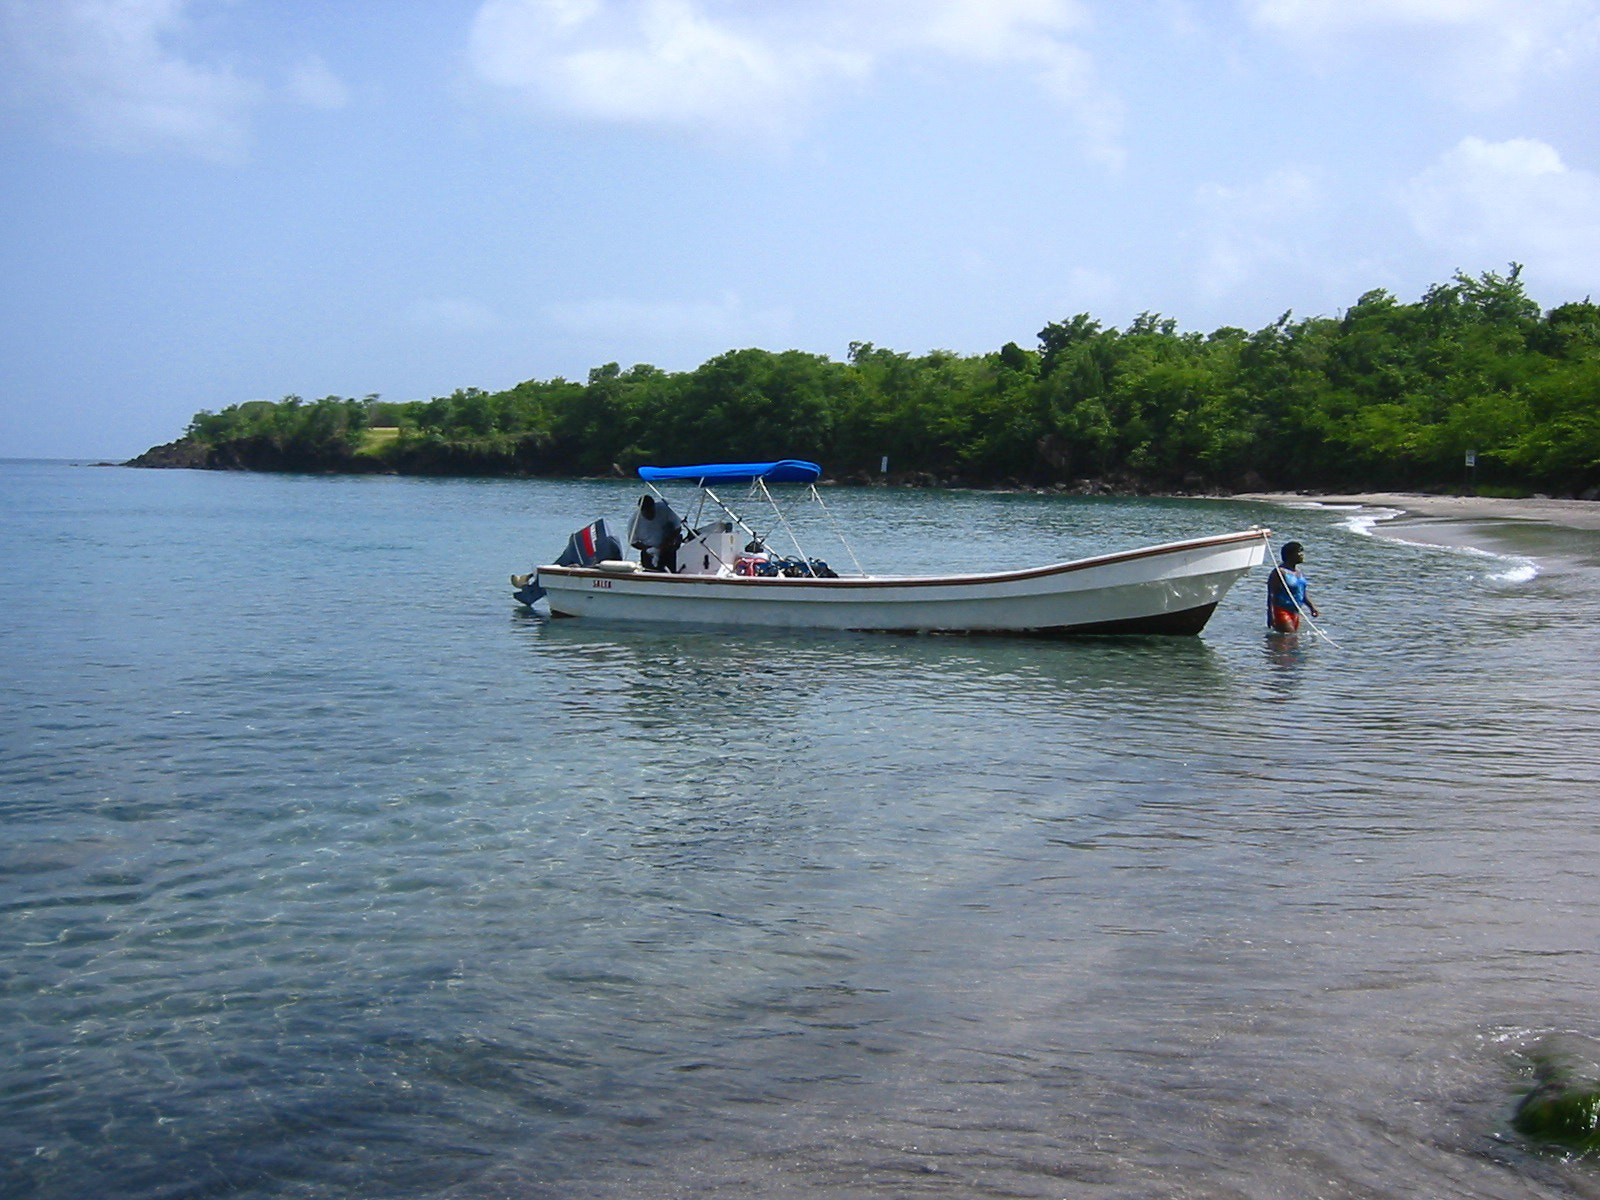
(373, 441)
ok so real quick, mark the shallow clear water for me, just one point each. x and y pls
(329, 872)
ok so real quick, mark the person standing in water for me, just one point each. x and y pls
(1287, 594)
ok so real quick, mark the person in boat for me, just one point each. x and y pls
(1288, 594)
(656, 532)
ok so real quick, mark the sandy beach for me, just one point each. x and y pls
(1554, 532)
(1571, 514)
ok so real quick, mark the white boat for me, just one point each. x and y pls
(699, 575)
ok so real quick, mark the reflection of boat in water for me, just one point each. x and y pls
(696, 572)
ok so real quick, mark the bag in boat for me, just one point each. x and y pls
(795, 568)
(589, 545)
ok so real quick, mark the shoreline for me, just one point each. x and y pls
(1569, 514)
(1556, 534)
(1412, 507)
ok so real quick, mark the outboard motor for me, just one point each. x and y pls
(591, 544)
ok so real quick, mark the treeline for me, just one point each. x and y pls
(1388, 394)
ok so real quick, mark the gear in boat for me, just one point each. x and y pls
(670, 545)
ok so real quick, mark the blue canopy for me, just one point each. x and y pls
(789, 470)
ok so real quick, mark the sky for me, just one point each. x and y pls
(205, 202)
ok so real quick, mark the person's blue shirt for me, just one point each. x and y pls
(1288, 582)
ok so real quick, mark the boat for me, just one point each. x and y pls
(722, 573)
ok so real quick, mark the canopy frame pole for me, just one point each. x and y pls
(689, 522)
(838, 532)
(731, 515)
(761, 485)
(758, 487)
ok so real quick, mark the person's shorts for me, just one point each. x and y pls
(1281, 620)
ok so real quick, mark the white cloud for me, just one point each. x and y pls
(1491, 203)
(1035, 36)
(1480, 52)
(1340, 16)
(1287, 240)
(1259, 227)
(116, 72)
(650, 62)
(719, 67)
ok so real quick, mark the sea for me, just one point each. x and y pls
(330, 871)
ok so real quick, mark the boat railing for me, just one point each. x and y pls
(759, 490)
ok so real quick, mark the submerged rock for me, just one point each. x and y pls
(1564, 1108)
(1561, 1112)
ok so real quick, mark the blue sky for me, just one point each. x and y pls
(204, 202)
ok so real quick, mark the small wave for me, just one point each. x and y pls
(1514, 570)
(1503, 568)
(1362, 519)
(1359, 518)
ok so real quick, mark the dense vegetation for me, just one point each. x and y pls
(1388, 394)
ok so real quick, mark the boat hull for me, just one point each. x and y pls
(1167, 589)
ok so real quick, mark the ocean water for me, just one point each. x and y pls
(328, 871)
